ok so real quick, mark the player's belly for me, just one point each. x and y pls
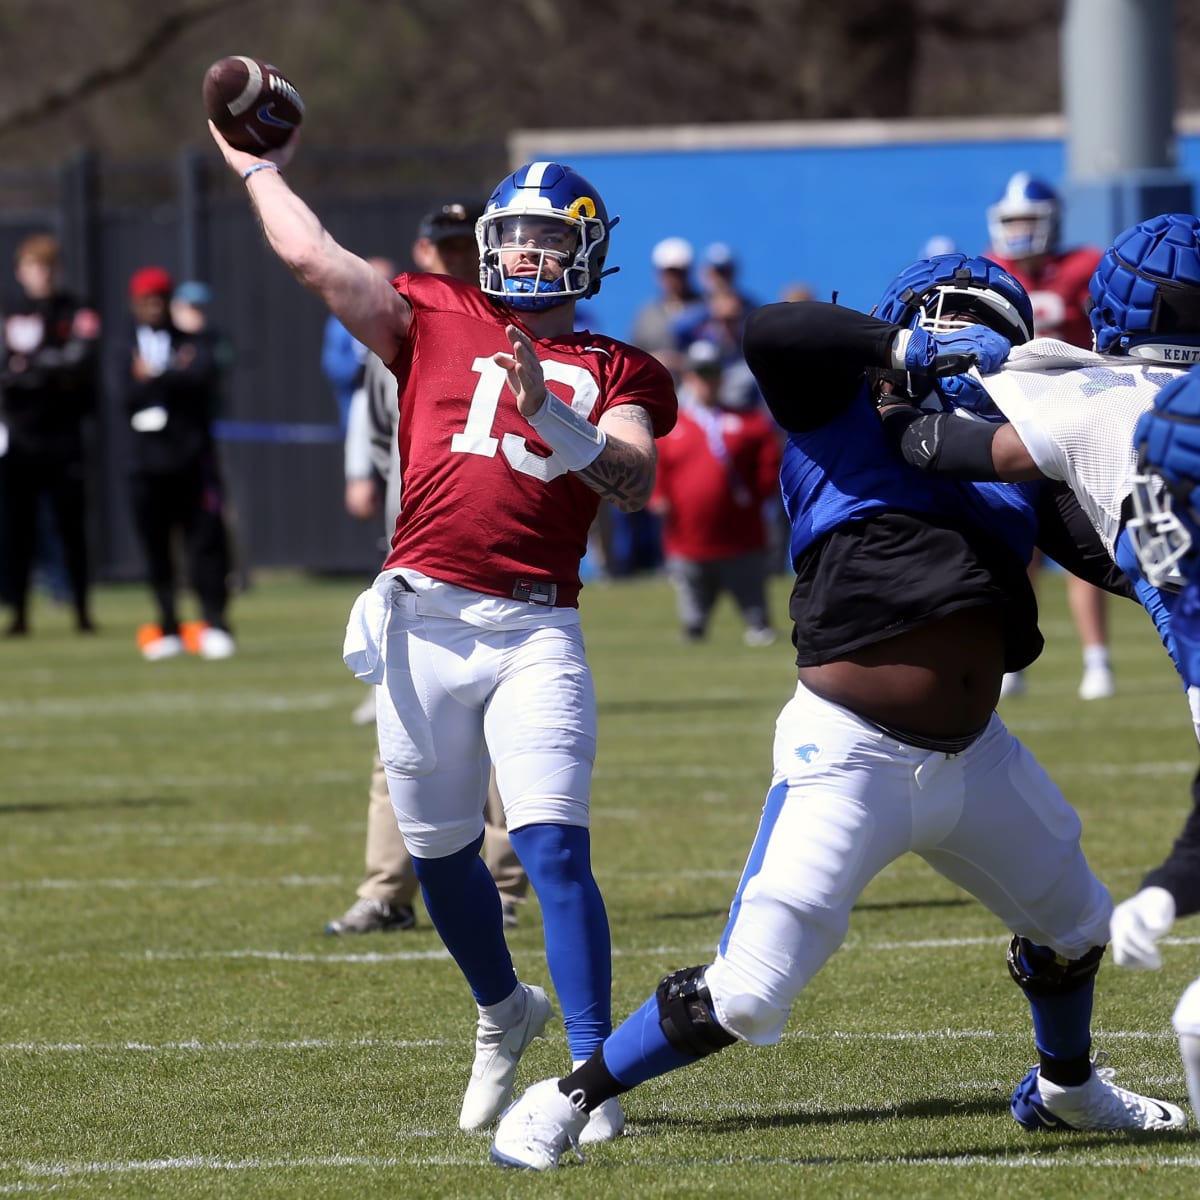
(941, 680)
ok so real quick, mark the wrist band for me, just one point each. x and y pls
(259, 166)
(568, 433)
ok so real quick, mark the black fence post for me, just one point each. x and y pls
(193, 215)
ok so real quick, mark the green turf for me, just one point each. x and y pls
(174, 1023)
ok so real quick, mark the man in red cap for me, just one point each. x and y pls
(171, 388)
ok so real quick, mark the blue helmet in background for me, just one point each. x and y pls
(948, 291)
(523, 213)
(1144, 297)
(1025, 221)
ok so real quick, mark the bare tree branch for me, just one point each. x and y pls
(160, 35)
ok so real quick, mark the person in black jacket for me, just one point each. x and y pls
(171, 381)
(48, 379)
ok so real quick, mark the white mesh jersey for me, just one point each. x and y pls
(1075, 410)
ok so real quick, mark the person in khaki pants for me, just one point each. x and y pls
(445, 245)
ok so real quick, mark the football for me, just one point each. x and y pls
(252, 103)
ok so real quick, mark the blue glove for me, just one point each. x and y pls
(953, 353)
(1185, 630)
(961, 391)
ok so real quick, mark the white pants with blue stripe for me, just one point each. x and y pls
(848, 799)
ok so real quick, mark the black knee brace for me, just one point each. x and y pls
(1039, 971)
(686, 1017)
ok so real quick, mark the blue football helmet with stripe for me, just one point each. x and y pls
(543, 238)
(1144, 297)
(949, 292)
(1025, 221)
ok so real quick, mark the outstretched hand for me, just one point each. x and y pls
(525, 376)
(240, 160)
(952, 353)
(1136, 926)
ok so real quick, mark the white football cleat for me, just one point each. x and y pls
(1099, 1104)
(1097, 684)
(169, 645)
(605, 1122)
(497, 1052)
(535, 1130)
(216, 643)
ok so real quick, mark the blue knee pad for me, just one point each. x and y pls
(557, 859)
(464, 907)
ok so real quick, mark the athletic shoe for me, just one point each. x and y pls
(1013, 684)
(373, 916)
(509, 910)
(605, 1122)
(1097, 1104)
(760, 637)
(1097, 684)
(168, 645)
(497, 1052)
(535, 1130)
(216, 643)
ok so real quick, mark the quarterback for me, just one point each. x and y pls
(512, 428)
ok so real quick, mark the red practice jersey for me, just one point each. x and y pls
(715, 472)
(1058, 291)
(484, 504)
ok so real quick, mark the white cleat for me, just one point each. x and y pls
(216, 643)
(169, 645)
(535, 1130)
(1097, 684)
(605, 1122)
(497, 1052)
(1099, 1105)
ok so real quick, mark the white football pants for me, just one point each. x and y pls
(848, 799)
(457, 695)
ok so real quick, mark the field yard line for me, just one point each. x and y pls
(196, 1046)
(199, 1162)
(253, 1046)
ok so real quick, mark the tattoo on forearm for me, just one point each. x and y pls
(624, 473)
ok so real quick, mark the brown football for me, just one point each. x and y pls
(252, 103)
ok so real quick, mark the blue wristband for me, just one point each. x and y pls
(259, 166)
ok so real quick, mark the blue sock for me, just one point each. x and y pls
(638, 1050)
(1062, 1025)
(557, 859)
(464, 907)
(1062, 1022)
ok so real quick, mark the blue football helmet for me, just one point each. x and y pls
(949, 292)
(553, 221)
(1144, 297)
(1025, 221)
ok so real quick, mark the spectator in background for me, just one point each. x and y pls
(717, 472)
(718, 274)
(169, 382)
(1025, 230)
(445, 245)
(48, 380)
(343, 356)
(656, 322)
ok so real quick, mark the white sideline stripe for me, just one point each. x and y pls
(203, 1162)
(304, 881)
(221, 1047)
(262, 1045)
(375, 956)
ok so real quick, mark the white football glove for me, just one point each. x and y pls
(1137, 924)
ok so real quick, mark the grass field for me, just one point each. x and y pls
(174, 1023)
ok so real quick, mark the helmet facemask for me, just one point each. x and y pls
(1160, 539)
(535, 259)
